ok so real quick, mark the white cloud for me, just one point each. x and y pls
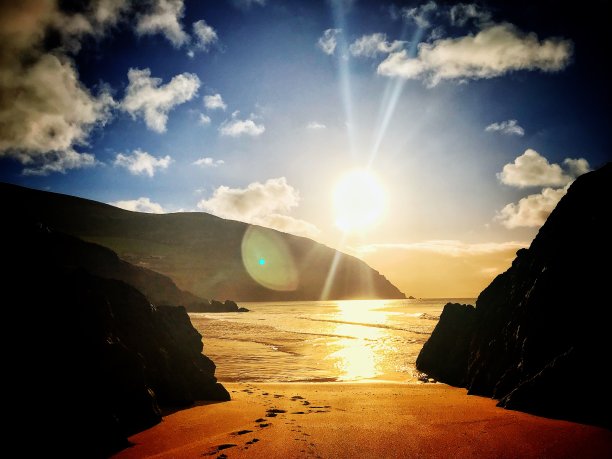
(203, 119)
(452, 248)
(214, 101)
(315, 125)
(462, 13)
(531, 211)
(45, 110)
(140, 162)
(208, 162)
(493, 51)
(236, 127)
(60, 161)
(164, 17)
(108, 11)
(139, 205)
(421, 15)
(577, 167)
(205, 35)
(328, 42)
(371, 45)
(509, 127)
(147, 97)
(273, 196)
(260, 203)
(532, 169)
(54, 113)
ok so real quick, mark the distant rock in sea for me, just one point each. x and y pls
(92, 360)
(216, 306)
(411, 297)
(539, 337)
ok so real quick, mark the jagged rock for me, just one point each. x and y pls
(93, 358)
(449, 343)
(216, 306)
(542, 324)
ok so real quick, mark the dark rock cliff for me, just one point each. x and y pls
(538, 337)
(72, 252)
(91, 360)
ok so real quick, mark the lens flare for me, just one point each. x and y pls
(268, 259)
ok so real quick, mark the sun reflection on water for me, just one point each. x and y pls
(359, 357)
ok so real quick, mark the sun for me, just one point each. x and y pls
(359, 201)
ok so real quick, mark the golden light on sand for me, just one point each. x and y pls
(359, 201)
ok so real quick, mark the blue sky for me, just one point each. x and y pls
(473, 117)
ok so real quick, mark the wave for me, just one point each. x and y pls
(362, 324)
(428, 316)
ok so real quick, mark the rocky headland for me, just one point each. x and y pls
(538, 338)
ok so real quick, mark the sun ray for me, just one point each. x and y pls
(339, 14)
(391, 97)
(331, 274)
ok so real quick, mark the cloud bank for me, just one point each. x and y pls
(45, 111)
(264, 204)
(494, 51)
(533, 170)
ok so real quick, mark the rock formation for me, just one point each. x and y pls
(66, 250)
(538, 337)
(93, 359)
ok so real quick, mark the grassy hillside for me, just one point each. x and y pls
(205, 254)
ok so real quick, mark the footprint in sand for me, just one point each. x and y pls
(242, 432)
(220, 448)
(297, 397)
(260, 420)
(273, 412)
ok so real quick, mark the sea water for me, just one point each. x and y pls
(294, 341)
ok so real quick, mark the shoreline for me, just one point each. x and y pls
(361, 419)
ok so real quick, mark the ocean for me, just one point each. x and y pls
(314, 341)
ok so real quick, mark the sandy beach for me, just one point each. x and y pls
(362, 420)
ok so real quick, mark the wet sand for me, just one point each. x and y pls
(362, 420)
